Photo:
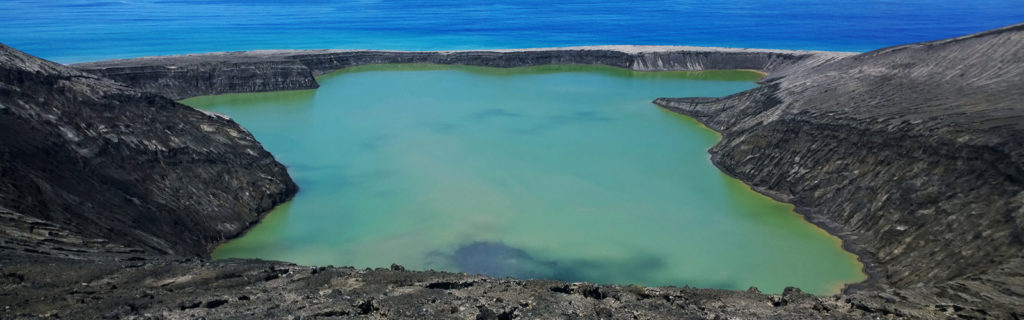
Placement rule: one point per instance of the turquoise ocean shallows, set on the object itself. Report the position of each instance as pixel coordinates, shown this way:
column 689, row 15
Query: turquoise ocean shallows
column 564, row 172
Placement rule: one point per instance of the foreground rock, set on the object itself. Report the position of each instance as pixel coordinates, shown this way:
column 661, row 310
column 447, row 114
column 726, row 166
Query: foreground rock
column 90, row 166
column 249, row 289
column 911, row 154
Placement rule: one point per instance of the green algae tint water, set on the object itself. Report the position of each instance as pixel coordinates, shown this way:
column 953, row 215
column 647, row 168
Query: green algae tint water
column 564, row 172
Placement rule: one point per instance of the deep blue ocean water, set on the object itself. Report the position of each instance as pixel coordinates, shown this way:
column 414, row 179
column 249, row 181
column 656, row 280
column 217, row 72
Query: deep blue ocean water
column 78, row 30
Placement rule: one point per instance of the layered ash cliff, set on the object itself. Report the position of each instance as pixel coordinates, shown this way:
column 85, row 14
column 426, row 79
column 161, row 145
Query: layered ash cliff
column 912, row 154
column 187, row 76
column 92, row 166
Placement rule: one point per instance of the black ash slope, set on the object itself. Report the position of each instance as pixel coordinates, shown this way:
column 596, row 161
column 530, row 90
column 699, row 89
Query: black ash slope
column 120, row 170
column 912, row 154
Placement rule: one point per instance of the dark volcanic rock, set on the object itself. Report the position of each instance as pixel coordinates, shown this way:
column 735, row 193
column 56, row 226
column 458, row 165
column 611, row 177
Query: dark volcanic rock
column 913, row 154
column 192, row 75
column 183, row 80
column 92, row 166
column 240, row 289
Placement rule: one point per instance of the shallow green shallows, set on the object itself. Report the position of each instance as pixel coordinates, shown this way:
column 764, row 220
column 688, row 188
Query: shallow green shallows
column 564, row 172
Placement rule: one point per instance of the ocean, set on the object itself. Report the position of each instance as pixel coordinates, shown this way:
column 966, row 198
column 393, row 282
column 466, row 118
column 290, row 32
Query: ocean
column 570, row 175
column 69, row 31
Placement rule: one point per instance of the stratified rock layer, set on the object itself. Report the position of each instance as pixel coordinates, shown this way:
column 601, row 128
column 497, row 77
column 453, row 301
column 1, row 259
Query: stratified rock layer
column 912, row 154
column 86, row 158
column 186, row 76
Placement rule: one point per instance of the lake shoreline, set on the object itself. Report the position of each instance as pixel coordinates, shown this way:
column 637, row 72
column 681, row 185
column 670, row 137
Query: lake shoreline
column 859, row 140
column 261, row 114
column 218, row 73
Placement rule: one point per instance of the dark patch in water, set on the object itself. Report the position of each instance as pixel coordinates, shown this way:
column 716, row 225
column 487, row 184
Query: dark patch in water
column 576, row 117
column 375, row 142
column 445, row 128
column 584, row 115
column 529, row 124
column 500, row 260
column 490, row 113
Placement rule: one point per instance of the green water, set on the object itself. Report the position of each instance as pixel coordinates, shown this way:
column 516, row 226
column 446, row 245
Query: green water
column 563, row 172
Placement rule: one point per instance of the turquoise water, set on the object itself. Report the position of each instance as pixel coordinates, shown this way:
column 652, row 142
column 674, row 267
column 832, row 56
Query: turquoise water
column 84, row 30
column 562, row 172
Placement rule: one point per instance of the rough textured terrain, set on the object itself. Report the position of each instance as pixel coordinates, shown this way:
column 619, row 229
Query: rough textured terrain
column 247, row 289
column 912, row 154
column 187, row 76
column 89, row 164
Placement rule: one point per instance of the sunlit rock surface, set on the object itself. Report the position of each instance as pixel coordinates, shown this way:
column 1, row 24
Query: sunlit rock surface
column 911, row 154
column 88, row 158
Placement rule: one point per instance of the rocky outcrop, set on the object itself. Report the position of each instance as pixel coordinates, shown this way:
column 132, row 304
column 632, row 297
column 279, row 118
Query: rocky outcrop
column 92, row 166
column 182, row 80
column 253, row 289
column 913, row 154
column 186, row 76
